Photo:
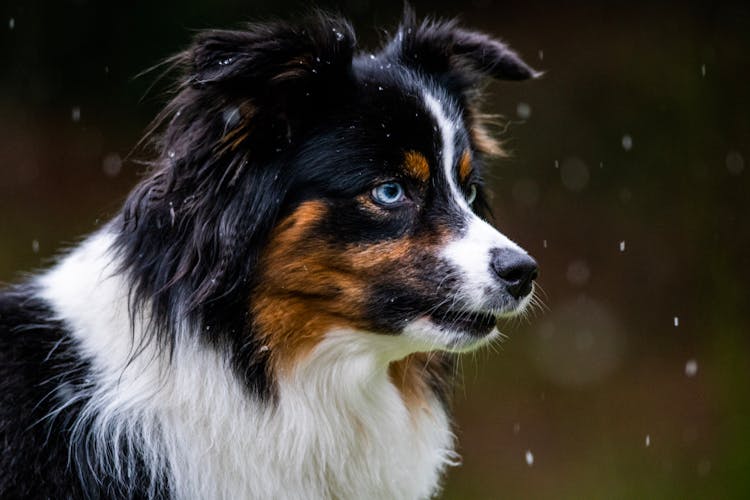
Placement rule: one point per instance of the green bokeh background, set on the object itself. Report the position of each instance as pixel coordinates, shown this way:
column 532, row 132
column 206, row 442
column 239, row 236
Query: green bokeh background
column 580, row 385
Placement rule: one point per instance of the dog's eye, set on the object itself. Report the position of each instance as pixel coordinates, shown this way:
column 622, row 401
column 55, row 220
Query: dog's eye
column 472, row 194
column 389, row 193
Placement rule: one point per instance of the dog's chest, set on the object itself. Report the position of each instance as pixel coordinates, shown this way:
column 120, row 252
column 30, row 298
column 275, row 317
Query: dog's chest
column 354, row 439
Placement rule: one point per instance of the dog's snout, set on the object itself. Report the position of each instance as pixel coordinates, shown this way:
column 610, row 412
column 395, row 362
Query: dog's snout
column 516, row 270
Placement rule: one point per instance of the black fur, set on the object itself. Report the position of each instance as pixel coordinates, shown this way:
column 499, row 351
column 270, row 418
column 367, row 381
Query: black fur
column 263, row 119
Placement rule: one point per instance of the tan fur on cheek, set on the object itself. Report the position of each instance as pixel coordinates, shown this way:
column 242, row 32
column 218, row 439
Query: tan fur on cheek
column 305, row 290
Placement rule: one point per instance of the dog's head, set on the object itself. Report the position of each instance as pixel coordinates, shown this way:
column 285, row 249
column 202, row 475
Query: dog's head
column 303, row 188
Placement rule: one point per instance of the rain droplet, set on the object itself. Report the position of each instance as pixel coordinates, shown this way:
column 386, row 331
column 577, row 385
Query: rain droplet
column 529, row 458
column 11, row 23
column 523, row 110
column 111, row 164
column 544, row 243
column 557, row 164
column 75, row 114
column 622, row 246
column 35, row 246
column 676, row 321
column 735, row 163
column 541, row 55
column 691, row 368
column 578, row 273
column 627, row 142
column 703, row 70
column 648, row 440
column 574, row 174
column 516, row 428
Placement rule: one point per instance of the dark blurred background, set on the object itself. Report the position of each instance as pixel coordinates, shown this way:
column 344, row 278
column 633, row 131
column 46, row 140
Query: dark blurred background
column 628, row 181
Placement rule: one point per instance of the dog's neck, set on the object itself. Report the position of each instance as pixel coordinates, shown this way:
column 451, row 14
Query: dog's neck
column 339, row 427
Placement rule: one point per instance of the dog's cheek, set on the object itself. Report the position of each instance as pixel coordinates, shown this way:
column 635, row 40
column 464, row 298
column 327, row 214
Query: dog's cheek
column 400, row 282
column 305, row 289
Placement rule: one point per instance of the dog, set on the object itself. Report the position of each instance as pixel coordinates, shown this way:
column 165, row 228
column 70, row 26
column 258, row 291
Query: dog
column 276, row 309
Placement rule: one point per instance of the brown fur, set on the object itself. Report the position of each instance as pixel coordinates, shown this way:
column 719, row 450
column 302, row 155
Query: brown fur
column 309, row 288
column 464, row 166
column 416, row 165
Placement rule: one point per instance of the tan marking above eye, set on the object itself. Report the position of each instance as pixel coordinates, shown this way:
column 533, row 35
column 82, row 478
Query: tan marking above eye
column 464, row 166
column 417, row 166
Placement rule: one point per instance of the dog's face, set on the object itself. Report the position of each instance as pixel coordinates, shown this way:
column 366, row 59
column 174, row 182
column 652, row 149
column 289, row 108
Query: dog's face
column 356, row 181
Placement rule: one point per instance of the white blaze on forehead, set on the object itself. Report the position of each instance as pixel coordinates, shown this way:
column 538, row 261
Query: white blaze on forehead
column 447, row 127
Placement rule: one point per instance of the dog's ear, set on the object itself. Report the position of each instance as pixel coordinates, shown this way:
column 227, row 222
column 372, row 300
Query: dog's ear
column 458, row 57
column 259, row 60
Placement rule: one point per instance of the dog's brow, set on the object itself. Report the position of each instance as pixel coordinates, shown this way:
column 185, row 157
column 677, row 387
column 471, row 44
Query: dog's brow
column 464, row 166
column 417, row 166
column 447, row 129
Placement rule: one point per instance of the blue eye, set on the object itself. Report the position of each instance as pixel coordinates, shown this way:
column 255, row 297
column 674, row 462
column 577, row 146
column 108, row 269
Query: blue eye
column 388, row 193
column 472, row 194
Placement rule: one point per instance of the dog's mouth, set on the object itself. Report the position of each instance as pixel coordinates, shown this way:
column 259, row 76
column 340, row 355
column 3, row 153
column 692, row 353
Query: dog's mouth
column 476, row 324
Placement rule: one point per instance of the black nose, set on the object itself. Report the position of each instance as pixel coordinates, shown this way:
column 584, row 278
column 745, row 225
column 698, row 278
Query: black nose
column 516, row 270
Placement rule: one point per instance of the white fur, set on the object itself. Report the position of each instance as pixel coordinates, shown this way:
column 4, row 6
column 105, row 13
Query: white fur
column 471, row 253
column 340, row 429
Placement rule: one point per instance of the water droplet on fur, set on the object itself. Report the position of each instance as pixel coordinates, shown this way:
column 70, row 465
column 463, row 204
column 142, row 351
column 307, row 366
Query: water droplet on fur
column 529, row 458
column 226, row 61
column 627, row 142
column 380, row 88
column 338, row 34
column 171, row 153
column 372, row 56
column 317, row 59
column 263, row 348
column 75, row 114
column 691, row 368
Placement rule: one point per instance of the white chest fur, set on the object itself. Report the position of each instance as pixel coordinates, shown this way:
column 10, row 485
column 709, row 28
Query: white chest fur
column 340, row 428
